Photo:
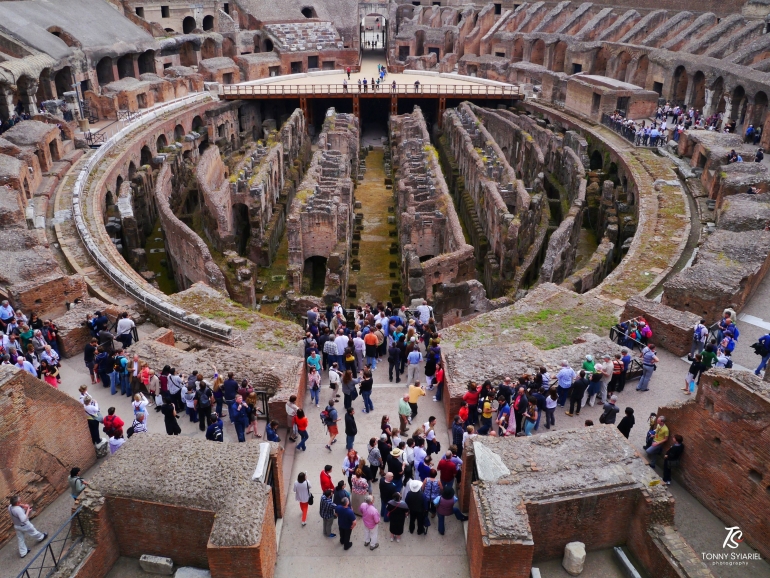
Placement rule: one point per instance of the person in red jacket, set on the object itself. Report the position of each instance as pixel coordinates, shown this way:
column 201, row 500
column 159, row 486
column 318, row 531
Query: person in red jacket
column 447, row 470
column 112, row 423
column 326, row 479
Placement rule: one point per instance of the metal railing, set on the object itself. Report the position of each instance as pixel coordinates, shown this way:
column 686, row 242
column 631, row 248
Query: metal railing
column 451, row 90
column 55, row 550
column 630, row 134
column 621, row 338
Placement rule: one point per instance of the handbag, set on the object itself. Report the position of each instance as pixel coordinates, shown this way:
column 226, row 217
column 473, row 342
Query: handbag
column 310, row 499
column 353, row 394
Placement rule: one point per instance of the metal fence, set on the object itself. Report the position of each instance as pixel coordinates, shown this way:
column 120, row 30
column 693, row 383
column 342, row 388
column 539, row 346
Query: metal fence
column 298, row 90
column 55, row 549
column 630, row 134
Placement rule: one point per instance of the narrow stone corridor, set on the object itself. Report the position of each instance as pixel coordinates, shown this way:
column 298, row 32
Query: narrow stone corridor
column 375, row 278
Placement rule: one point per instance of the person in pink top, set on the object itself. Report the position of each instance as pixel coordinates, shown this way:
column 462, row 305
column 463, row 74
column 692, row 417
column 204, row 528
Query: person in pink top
column 370, row 517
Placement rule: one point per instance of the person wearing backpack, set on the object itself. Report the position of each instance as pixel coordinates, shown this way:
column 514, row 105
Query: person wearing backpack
column 121, row 368
column 203, row 398
column 699, row 336
column 214, row 432
column 610, row 411
column 329, row 417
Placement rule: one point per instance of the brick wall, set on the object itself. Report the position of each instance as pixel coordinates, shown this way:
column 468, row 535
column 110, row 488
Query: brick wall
column 671, row 329
column 726, row 463
column 142, row 527
column 36, row 454
column 598, row 520
column 492, row 558
column 257, row 560
column 98, row 529
column 279, row 483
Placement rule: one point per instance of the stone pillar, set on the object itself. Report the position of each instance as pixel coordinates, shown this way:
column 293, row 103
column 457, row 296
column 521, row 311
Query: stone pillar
column 709, row 95
column 728, row 111
column 29, row 97
column 115, row 71
column 6, row 102
column 135, row 62
column 688, row 93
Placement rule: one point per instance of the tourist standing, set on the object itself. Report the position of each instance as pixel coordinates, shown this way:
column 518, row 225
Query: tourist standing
column 76, row 483
column 610, row 411
column 415, row 500
column 239, row 412
column 370, row 517
column 404, row 413
column 672, row 457
column 397, row 512
column 446, row 507
column 346, row 519
column 416, row 391
column 365, row 387
column 564, row 379
column 649, row 359
column 327, row 513
column 301, row 423
column 627, row 422
column 660, row 437
column 20, row 517
column 350, row 428
column 302, row 494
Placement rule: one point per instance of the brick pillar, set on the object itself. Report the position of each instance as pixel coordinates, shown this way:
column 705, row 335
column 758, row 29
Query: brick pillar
column 6, row 102
column 135, row 62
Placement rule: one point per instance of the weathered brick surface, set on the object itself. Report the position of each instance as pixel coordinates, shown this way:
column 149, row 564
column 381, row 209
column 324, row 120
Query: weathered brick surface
column 35, row 456
column 671, row 329
column 726, row 464
column 94, row 520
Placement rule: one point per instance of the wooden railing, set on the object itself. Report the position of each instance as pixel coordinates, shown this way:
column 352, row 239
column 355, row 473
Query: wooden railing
column 298, row 90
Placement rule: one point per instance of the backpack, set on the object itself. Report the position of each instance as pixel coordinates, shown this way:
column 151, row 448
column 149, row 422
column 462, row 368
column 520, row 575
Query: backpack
column 698, row 333
column 216, row 434
column 729, row 363
column 120, row 364
column 326, row 417
column 646, row 331
column 204, row 398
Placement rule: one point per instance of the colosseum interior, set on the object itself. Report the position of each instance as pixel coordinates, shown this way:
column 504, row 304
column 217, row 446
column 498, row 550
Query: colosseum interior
column 538, row 173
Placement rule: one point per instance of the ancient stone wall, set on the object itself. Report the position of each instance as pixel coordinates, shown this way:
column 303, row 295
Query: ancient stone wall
column 320, row 218
column 727, row 435
column 433, row 246
column 671, row 329
column 36, row 458
column 188, row 255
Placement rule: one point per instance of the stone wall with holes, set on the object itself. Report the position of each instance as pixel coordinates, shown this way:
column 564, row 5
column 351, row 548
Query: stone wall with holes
column 188, row 255
column 319, row 222
column 671, row 329
column 433, row 246
column 36, row 458
column 726, row 464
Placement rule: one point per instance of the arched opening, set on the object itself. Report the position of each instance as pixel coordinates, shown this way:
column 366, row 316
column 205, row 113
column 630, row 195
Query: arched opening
column 188, row 24
column 63, row 81
column 537, row 56
column 187, row 56
column 118, row 184
column 197, row 123
column 738, row 109
column 679, row 85
column 202, row 147
column 126, row 66
column 559, row 56
column 420, row 43
column 161, row 143
column 242, row 228
column 178, row 132
column 228, row 48
column 698, row 98
column 309, row 12
column 640, row 74
column 600, row 62
column 170, row 30
column 104, row 71
column 622, row 66
column 65, row 37
column 268, row 45
column 596, row 161
column 208, row 49
column 145, row 156
column 314, row 276
column 208, row 23
column 760, row 108
column 518, row 50
column 147, row 62
column 131, row 171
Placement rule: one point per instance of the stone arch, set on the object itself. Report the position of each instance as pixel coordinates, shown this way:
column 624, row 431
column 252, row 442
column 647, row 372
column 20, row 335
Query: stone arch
column 679, row 85
column 208, row 22
column 314, row 275
column 559, row 56
column 268, row 44
column 104, row 72
column 537, row 53
column 600, row 62
column 131, row 171
column 738, row 109
column 65, row 37
column 209, row 49
column 187, row 55
column 145, row 156
column 228, row 48
column 161, row 143
column 309, row 12
column 622, row 65
column 179, row 132
column 518, row 50
column 640, row 74
column 197, row 122
column 419, row 43
column 126, row 66
column 698, row 97
column 63, row 81
column 188, row 25
column 759, row 109
column 147, row 62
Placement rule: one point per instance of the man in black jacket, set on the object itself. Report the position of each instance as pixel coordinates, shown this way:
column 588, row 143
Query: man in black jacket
column 387, row 489
column 350, row 429
column 394, row 360
column 576, row 394
column 672, row 457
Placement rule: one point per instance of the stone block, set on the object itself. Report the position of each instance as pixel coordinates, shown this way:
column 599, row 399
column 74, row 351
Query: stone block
column 574, row 558
column 157, row 564
column 102, row 448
